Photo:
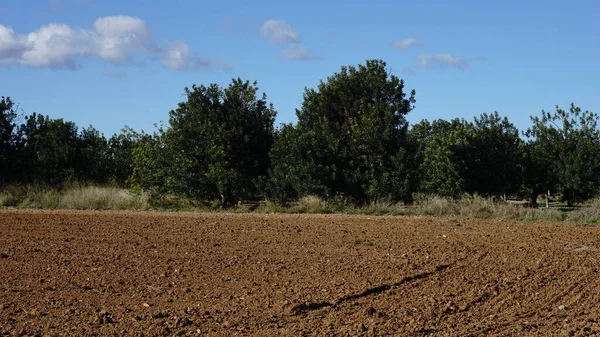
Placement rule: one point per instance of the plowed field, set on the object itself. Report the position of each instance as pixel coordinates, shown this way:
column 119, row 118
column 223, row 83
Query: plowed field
column 160, row 274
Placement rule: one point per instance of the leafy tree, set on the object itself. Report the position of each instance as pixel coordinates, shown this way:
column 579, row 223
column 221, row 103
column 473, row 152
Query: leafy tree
column 496, row 153
column 154, row 167
column 296, row 170
column 443, row 147
column 50, row 148
column 91, row 161
column 565, row 147
column 218, row 139
column 350, row 138
column 8, row 141
column 120, row 155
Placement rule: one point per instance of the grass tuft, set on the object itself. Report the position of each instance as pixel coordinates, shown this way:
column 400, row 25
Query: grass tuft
column 311, row 204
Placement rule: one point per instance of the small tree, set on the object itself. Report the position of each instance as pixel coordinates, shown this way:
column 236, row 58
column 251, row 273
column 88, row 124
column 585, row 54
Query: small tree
column 496, row 154
column 91, row 162
column 565, row 148
column 50, row 147
column 120, row 154
column 443, row 156
column 8, row 141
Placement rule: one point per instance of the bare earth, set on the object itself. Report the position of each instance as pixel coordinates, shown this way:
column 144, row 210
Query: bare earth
column 160, row 274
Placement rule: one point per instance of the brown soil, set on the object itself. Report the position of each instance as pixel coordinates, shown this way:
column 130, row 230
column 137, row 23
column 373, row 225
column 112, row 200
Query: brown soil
column 160, row 274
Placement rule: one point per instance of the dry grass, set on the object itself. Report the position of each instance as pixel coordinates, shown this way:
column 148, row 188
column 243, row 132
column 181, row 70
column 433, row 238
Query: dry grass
column 102, row 198
column 311, row 204
column 483, row 208
column 78, row 197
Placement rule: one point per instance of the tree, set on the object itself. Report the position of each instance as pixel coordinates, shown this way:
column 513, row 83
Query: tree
column 8, row 141
column 565, row 149
column 49, row 149
column 120, row 155
column 350, row 138
column 219, row 138
column 496, row 153
column 156, row 169
column 91, row 163
column 443, row 156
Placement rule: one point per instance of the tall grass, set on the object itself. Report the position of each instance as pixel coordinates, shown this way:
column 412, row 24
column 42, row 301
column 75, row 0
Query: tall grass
column 478, row 207
column 474, row 207
column 106, row 198
column 77, row 197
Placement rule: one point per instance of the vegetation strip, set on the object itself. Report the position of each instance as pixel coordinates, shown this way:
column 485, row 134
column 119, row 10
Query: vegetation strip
column 352, row 144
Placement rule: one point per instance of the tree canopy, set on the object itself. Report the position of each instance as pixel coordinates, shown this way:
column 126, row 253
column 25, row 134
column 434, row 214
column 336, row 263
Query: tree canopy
column 217, row 144
column 350, row 138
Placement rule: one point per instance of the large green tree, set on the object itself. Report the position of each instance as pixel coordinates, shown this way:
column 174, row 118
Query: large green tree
column 565, row 150
column 350, row 138
column 218, row 140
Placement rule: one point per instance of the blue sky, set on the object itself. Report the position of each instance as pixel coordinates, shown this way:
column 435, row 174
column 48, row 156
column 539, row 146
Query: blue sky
column 112, row 63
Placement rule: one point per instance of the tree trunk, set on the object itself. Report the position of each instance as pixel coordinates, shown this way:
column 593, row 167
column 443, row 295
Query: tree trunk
column 533, row 197
column 548, row 199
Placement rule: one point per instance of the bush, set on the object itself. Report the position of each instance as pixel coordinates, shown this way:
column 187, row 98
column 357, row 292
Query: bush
column 310, row 204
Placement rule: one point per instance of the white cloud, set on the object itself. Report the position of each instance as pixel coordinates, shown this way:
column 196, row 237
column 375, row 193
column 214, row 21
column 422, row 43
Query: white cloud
column 442, row 61
column 115, row 39
column 279, row 31
column 56, row 46
column 179, row 57
column 406, row 43
column 293, row 52
column 12, row 46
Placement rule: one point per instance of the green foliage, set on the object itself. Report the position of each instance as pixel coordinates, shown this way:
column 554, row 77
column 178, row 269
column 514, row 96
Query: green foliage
column 120, row 155
column 9, row 141
column 565, row 152
column 442, row 156
column 350, row 139
column 457, row 156
column 50, row 146
column 496, row 155
column 216, row 147
column 91, row 162
column 152, row 166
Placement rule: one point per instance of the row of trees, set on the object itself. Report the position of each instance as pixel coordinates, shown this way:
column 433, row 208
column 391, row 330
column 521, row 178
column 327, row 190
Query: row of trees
column 352, row 139
column 36, row 149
